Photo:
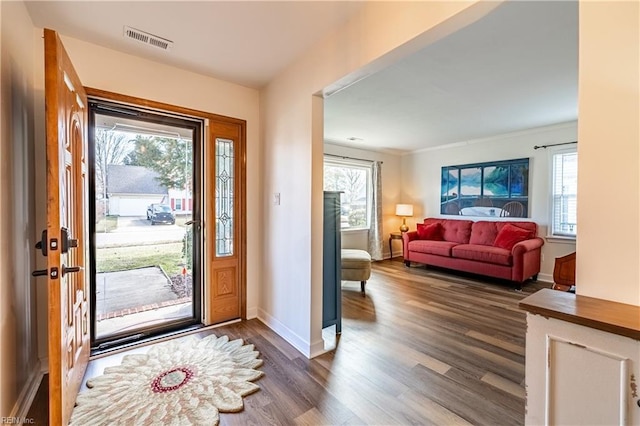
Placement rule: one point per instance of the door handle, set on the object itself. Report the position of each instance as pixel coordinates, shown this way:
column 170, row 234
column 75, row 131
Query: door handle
column 40, row 273
column 45, row 272
column 193, row 222
column 70, row 269
column 42, row 244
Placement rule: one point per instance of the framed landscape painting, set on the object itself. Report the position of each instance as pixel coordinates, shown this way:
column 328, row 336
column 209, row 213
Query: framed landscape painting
column 493, row 189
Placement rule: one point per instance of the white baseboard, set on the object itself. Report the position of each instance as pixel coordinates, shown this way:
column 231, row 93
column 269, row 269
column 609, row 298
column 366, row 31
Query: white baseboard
column 44, row 365
column 398, row 253
column 252, row 313
column 318, row 348
column 28, row 393
column 287, row 334
column 547, row 278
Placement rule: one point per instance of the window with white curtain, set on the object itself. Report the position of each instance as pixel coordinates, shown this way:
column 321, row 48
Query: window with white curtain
column 353, row 178
column 564, row 193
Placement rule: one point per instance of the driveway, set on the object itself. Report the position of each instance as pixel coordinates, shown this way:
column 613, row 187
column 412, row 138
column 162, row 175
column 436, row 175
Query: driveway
column 137, row 230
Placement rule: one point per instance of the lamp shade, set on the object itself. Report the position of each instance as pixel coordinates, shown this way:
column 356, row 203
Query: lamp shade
column 404, row 210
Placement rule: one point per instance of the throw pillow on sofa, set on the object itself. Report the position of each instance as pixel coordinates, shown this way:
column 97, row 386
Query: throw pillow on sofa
column 430, row 232
column 510, row 235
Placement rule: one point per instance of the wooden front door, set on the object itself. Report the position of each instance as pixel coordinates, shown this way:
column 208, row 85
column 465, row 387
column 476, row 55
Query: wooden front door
column 225, row 235
column 67, row 247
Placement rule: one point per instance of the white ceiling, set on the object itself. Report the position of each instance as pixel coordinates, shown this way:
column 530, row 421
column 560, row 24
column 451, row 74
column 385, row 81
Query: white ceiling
column 514, row 69
column 244, row 42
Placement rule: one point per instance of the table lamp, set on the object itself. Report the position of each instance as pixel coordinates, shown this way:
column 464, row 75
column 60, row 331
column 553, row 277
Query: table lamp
column 404, row 211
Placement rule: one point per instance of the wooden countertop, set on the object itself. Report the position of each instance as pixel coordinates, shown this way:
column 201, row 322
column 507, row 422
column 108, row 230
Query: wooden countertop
column 612, row 317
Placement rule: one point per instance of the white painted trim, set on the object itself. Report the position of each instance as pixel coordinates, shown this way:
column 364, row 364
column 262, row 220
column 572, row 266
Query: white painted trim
column 552, row 151
column 355, row 230
column 287, row 334
column 28, row 393
column 252, row 313
column 44, row 365
column 560, row 240
column 496, row 137
column 317, row 348
column 547, row 278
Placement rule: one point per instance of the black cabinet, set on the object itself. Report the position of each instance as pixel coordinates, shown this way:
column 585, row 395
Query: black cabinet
column 331, row 290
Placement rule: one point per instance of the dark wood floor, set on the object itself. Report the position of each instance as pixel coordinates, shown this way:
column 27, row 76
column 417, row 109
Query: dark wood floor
column 421, row 347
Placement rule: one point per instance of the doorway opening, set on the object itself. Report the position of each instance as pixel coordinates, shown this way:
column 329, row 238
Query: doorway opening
column 145, row 216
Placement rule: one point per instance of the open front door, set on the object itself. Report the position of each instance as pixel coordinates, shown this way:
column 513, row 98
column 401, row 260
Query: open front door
column 65, row 243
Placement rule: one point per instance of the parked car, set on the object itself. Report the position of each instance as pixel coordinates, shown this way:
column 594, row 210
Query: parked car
column 160, row 213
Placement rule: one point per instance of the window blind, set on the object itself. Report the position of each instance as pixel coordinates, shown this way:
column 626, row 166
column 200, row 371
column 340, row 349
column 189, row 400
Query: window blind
column 565, row 194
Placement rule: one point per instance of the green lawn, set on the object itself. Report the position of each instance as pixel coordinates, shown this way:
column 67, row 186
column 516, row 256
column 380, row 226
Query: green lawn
column 168, row 256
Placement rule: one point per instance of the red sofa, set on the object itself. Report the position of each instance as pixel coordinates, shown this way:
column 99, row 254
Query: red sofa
column 507, row 250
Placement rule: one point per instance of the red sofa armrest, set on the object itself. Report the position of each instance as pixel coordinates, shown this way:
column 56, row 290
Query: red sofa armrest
column 527, row 245
column 406, row 238
column 526, row 259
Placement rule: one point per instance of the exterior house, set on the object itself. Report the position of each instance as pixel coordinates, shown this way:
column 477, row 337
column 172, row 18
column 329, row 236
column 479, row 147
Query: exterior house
column 180, row 200
column 130, row 189
column 285, row 116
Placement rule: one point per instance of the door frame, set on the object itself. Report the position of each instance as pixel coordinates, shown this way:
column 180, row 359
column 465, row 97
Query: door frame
column 207, row 229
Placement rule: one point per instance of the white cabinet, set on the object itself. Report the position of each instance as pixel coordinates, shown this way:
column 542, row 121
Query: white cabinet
column 577, row 375
column 582, row 360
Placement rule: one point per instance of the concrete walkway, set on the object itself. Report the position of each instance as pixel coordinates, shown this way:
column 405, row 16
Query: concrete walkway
column 117, row 291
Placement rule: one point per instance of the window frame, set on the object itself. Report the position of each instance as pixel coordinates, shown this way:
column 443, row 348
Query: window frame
column 552, row 233
column 358, row 165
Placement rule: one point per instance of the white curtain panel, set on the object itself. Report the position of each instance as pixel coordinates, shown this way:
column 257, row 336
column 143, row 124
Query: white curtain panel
column 375, row 229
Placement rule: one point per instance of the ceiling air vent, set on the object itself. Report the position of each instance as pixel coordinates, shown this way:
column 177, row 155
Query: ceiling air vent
column 146, row 38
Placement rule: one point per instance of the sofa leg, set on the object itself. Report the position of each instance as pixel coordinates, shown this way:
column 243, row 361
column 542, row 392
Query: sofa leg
column 518, row 287
column 362, row 284
column 535, row 277
column 407, row 263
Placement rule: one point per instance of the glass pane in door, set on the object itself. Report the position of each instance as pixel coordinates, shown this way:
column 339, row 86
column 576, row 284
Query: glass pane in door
column 143, row 233
column 224, row 197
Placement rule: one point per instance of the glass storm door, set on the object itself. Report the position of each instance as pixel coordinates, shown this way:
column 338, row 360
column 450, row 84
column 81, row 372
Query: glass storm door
column 146, row 222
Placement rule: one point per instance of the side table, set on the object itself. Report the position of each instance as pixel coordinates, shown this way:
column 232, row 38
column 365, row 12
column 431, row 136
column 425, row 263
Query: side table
column 395, row 236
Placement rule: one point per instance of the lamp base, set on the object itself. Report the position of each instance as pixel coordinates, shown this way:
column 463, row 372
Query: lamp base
column 404, row 227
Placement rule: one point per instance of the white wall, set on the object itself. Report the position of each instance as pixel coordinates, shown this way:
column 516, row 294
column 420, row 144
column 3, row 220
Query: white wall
column 421, row 172
column 113, row 71
column 292, row 135
column 391, row 186
column 19, row 370
column 608, row 261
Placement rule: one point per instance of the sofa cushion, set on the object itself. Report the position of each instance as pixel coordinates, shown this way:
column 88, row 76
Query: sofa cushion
column 456, row 231
column 440, row 248
column 482, row 253
column 429, row 232
column 529, row 226
column 510, row 235
column 483, row 233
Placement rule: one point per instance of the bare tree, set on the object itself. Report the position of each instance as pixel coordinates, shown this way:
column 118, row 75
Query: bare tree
column 111, row 148
column 353, row 181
